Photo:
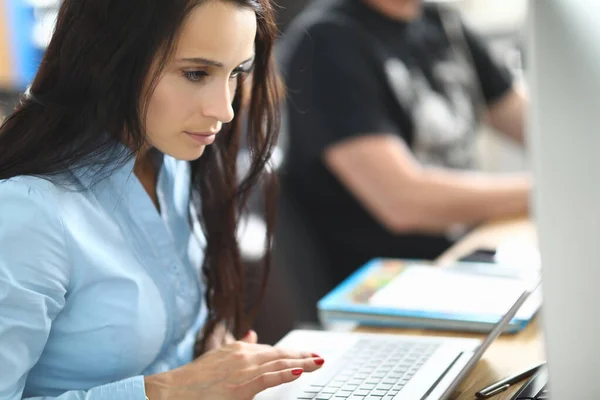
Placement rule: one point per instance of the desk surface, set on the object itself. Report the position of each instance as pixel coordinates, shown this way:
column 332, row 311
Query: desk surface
column 509, row 353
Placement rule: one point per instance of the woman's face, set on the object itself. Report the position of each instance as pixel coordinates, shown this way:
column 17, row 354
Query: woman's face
column 195, row 91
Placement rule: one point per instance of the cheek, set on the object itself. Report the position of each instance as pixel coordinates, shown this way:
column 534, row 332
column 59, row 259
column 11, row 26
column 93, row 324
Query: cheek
column 170, row 106
column 233, row 86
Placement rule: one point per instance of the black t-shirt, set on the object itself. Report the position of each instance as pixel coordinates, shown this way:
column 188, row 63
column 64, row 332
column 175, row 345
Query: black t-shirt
column 351, row 71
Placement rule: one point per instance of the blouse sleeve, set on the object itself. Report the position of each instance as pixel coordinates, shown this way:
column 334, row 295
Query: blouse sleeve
column 34, row 279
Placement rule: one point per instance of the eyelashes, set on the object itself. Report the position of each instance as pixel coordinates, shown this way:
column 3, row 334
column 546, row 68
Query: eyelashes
column 200, row 75
column 195, row 76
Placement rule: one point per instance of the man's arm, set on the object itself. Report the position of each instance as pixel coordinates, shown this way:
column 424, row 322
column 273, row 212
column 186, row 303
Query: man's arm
column 507, row 114
column 403, row 196
column 506, row 98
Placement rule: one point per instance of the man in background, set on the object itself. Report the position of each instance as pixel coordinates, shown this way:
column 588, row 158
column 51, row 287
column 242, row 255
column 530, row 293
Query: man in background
column 384, row 101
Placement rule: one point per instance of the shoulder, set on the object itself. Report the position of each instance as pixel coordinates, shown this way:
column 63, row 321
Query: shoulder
column 319, row 14
column 319, row 27
column 32, row 235
column 32, row 189
column 30, row 202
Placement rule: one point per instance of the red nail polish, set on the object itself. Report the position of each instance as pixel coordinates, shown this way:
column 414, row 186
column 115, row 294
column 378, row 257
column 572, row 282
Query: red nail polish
column 297, row 371
column 319, row 361
column 315, row 355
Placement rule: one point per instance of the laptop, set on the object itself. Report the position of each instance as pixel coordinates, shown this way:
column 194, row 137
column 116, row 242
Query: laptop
column 385, row 366
column 536, row 388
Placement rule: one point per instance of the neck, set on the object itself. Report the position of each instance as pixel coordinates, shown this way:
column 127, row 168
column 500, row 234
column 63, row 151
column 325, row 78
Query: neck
column 404, row 11
column 145, row 164
column 146, row 170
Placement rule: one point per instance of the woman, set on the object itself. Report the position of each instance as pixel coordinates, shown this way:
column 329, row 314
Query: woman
column 102, row 195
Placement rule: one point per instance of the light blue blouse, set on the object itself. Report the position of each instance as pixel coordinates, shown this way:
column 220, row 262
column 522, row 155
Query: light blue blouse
column 97, row 288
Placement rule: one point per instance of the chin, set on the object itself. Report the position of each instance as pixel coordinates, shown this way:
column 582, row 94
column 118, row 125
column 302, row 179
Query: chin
column 187, row 154
column 196, row 154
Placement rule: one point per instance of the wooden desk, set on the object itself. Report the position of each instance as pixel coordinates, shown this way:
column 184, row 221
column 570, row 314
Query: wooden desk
column 509, row 353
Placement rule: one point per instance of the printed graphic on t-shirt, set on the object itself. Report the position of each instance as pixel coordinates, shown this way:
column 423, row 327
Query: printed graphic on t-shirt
column 444, row 122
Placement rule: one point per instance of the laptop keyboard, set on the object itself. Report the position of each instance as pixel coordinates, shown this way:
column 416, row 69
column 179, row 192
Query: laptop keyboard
column 373, row 369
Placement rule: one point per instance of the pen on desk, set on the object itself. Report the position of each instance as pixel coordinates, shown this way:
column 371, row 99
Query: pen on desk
column 505, row 383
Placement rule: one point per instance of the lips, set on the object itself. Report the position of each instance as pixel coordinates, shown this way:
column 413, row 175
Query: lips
column 207, row 133
column 204, row 138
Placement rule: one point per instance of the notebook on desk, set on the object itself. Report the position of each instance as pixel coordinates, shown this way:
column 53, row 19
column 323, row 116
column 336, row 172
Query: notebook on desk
column 463, row 296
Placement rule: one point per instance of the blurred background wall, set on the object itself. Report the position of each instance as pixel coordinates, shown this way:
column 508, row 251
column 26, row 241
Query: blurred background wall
column 26, row 26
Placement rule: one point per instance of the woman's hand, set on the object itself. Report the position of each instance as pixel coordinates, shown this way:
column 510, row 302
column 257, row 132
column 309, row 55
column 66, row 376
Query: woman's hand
column 220, row 337
column 236, row 371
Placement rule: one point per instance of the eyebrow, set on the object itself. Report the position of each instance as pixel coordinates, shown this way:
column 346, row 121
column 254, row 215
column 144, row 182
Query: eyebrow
column 212, row 63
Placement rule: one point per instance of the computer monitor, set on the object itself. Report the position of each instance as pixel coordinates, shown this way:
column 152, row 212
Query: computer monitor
column 563, row 72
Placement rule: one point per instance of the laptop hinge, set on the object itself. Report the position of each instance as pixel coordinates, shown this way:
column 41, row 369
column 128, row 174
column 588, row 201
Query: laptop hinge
column 438, row 380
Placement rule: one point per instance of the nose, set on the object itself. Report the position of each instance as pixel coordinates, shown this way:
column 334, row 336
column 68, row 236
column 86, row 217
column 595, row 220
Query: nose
column 218, row 102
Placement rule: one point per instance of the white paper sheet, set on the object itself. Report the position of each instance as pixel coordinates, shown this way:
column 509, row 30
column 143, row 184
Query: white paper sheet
column 439, row 290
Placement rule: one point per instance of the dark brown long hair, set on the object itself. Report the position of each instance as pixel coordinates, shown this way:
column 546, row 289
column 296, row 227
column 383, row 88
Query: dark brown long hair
column 90, row 91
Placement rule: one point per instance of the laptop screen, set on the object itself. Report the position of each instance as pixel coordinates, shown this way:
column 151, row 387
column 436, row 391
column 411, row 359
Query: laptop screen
column 493, row 335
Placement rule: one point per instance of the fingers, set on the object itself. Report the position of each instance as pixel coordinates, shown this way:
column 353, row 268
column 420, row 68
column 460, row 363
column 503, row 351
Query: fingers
column 274, row 353
column 259, row 354
column 251, row 337
column 269, row 366
column 285, row 362
column 268, row 380
column 229, row 338
column 306, row 364
column 220, row 336
column 216, row 339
